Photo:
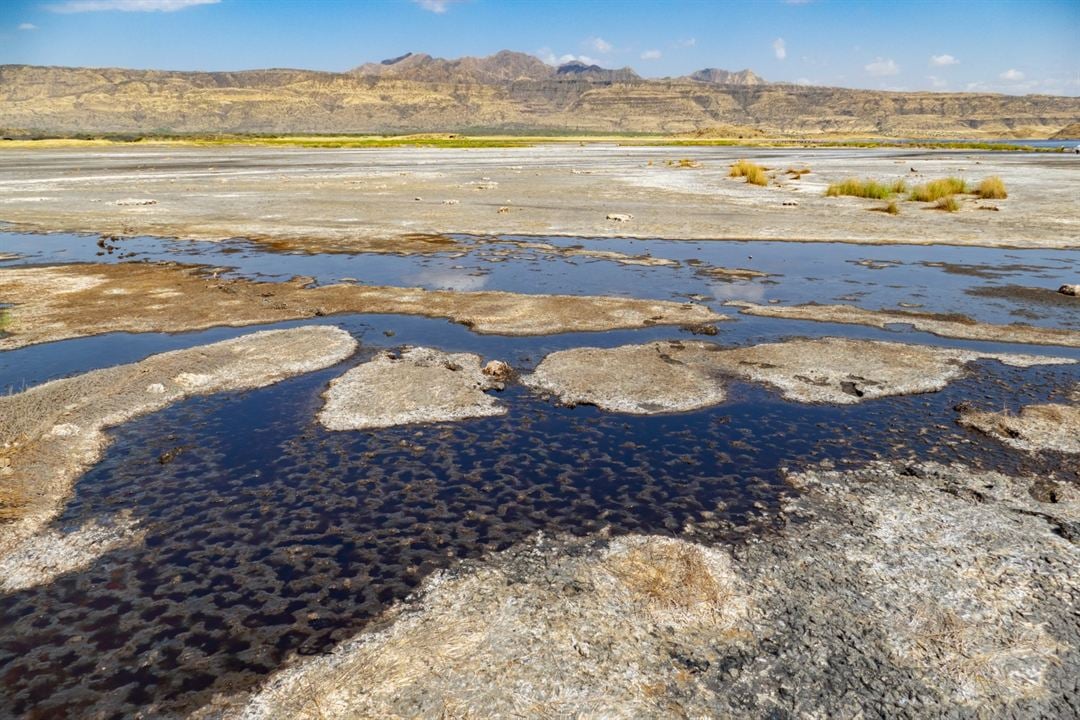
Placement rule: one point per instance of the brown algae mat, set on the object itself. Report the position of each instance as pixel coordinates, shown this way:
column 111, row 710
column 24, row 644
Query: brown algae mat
column 952, row 326
column 678, row 376
column 66, row 301
column 936, row 591
column 51, row 433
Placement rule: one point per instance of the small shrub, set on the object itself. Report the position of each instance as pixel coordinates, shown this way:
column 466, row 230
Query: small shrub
column 992, row 188
column 860, row 188
column 891, row 209
column 688, row 163
column 947, row 203
column 754, row 173
column 797, row 173
column 938, row 189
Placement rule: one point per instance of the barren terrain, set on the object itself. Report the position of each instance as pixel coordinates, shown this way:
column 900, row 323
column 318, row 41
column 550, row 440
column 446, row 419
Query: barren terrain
column 563, row 434
column 382, row 199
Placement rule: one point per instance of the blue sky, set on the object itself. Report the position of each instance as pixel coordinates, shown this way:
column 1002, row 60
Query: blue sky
column 1013, row 47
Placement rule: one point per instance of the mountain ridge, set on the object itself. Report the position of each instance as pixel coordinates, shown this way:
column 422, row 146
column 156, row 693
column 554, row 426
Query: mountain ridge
column 504, row 92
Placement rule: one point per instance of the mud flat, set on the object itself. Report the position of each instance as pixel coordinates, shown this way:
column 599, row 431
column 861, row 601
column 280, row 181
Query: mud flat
column 678, row 376
column 903, row 591
column 951, row 326
column 59, row 302
column 637, row 379
column 389, row 200
column 51, row 433
column 421, row 385
column 1051, row 426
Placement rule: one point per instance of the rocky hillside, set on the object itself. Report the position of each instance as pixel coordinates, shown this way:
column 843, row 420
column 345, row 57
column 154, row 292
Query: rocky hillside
column 504, row 92
column 1070, row 132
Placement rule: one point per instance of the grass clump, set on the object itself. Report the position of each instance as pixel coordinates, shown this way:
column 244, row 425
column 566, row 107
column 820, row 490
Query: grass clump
column 687, row 163
column 865, row 189
column 947, row 203
column 797, row 173
column 754, row 173
column 992, row 188
column 938, row 189
column 891, row 209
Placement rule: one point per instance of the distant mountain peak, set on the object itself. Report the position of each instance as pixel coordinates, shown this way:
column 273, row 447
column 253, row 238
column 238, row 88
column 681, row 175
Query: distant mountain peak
column 503, row 66
column 578, row 69
column 395, row 61
column 718, row 76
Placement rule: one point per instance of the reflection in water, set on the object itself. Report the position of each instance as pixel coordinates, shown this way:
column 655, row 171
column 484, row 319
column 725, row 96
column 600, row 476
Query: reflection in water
column 450, row 278
column 738, row 290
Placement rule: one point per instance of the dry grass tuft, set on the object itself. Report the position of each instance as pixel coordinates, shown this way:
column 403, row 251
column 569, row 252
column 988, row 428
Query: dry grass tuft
column 938, row 189
column 992, row 188
column 947, row 203
column 671, row 576
column 890, row 209
column 13, row 501
column 866, row 189
column 685, row 163
column 754, row 173
column 797, row 173
column 980, row 657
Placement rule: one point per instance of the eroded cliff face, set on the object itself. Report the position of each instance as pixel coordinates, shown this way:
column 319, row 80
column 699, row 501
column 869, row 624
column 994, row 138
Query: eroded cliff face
column 467, row 96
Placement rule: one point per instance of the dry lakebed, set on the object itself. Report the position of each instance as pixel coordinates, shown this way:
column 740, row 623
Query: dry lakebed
column 538, row 432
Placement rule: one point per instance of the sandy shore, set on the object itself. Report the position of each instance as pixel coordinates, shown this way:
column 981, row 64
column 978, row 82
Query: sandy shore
column 378, row 199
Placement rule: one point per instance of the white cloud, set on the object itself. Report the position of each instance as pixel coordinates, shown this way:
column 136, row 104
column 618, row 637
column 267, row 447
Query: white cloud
column 81, row 6
column 547, row 55
column 780, row 48
column 943, row 60
column 882, row 67
column 937, row 82
column 27, row 26
column 436, row 6
column 687, row 43
column 651, row 55
column 584, row 59
column 600, row 45
column 1012, row 75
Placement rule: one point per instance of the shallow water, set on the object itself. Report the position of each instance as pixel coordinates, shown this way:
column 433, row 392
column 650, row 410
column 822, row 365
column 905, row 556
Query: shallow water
column 928, row 278
column 269, row 537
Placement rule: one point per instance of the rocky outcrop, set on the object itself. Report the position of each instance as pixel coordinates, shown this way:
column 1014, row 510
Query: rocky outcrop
column 1051, row 426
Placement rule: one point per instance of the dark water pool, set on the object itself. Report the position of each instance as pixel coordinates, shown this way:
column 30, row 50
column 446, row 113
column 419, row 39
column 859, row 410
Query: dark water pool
column 268, row 536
